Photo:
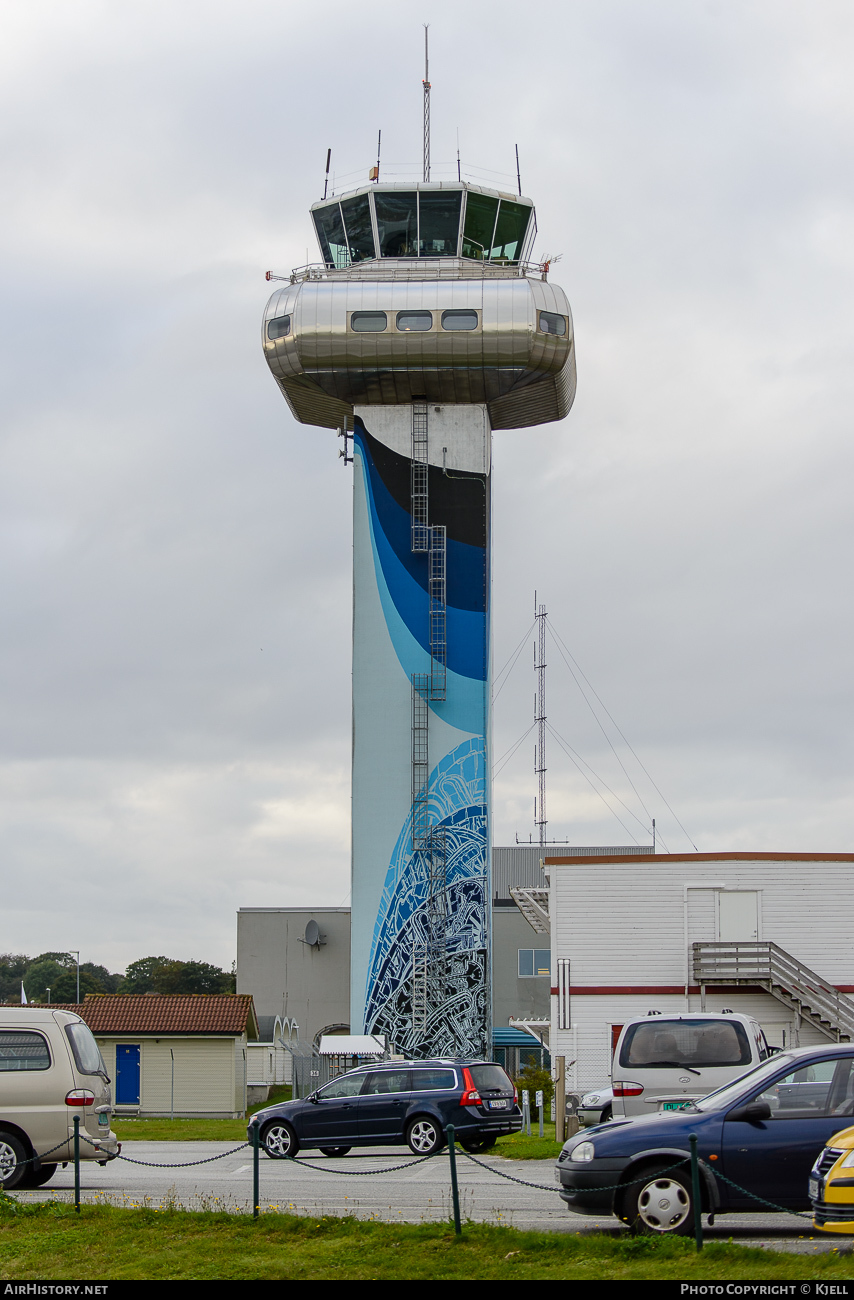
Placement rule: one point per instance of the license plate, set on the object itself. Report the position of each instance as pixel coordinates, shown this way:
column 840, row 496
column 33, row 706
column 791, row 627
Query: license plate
column 103, row 1121
column 677, row 1105
column 498, row 1105
column 815, row 1189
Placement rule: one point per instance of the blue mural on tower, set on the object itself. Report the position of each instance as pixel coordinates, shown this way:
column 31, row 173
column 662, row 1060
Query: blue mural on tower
column 458, row 778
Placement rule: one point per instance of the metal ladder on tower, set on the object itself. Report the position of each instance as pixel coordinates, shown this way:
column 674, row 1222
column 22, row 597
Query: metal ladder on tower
column 429, row 959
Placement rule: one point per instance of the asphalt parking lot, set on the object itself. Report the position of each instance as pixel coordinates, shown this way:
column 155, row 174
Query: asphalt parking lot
column 371, row 1184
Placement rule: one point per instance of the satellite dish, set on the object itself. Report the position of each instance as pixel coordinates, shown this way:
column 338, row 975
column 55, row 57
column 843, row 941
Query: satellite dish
column 312, row 934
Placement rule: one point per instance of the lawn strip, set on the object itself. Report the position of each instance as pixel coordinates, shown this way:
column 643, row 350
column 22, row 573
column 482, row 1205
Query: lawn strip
column 49, row 1241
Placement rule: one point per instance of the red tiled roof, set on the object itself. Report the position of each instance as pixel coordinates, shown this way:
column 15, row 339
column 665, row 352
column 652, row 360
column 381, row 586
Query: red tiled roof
column 167, row 1013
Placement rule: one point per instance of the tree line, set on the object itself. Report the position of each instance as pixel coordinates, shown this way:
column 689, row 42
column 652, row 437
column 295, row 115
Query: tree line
column 57, row 972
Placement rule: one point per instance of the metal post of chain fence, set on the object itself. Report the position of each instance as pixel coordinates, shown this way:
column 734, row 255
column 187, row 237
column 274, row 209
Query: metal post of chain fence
column 77, row 1163
column 539, row 1100
column 455, row 1191
column 256, row 1195
column 695, row 1192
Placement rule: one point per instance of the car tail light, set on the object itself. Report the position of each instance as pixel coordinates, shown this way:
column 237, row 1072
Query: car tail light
column 80, row 1097
column 471, row 1096
column 515, row 1096
column 627, row 1089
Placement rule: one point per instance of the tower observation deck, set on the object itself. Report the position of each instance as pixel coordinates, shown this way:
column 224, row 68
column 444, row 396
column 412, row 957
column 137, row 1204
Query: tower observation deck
column 423, row 329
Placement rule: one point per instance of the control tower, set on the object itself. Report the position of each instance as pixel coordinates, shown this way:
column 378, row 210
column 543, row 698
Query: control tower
column 423, row 329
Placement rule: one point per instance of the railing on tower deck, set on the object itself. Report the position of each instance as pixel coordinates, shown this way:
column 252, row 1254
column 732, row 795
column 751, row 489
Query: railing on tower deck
column 754, row 962
column 417, row 268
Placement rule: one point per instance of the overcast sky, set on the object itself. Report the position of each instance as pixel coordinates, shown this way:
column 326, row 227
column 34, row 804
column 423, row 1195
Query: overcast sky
column 175, row 550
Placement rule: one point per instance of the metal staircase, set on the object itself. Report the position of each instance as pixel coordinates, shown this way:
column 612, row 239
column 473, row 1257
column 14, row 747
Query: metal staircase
column 767, row 966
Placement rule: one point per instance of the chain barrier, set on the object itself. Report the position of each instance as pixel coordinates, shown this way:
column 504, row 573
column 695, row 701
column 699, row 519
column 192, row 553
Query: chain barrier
column 781, row 1209
column 411, row 1164
column 179, row 1164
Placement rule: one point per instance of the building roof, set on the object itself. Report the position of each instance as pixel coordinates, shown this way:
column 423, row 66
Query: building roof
column 567, row 860
column 167, row 1013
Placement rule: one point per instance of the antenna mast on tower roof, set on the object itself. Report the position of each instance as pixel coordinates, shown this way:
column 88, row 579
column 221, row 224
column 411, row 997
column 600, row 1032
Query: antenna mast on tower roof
column 540, row 818
column 426, row 84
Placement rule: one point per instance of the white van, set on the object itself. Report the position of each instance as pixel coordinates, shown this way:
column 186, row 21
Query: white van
column 50, row 1071
column 663, row 1061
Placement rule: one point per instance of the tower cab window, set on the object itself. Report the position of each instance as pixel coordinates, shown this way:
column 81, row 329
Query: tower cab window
column 279, row 327
column 552, row 323
column 368, row 322
column 459, row 320
column 414, row 321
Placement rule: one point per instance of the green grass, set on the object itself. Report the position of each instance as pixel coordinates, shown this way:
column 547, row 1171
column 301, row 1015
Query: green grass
column 192, row 1130
column 517, row 1147
column 49, row 1241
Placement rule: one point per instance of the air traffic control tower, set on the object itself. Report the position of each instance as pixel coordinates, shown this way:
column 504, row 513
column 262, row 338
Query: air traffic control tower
column 422, row 331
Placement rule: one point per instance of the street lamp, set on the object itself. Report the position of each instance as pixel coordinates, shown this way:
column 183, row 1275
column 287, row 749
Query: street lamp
column 76, row 954
column 48, row 995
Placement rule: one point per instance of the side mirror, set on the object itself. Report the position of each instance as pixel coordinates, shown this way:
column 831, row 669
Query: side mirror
column 752, row 1113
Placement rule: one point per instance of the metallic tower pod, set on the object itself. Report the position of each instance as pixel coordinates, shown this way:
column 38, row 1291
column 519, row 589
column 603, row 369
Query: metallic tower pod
column 423, row 329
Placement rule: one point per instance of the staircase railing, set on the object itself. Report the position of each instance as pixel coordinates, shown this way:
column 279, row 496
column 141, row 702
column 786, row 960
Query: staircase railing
column 789, row 980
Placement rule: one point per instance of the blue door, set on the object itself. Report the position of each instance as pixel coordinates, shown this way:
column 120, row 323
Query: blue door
column 127, row 1074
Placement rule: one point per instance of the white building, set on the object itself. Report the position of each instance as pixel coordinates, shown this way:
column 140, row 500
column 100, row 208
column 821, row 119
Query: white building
column 767, row 934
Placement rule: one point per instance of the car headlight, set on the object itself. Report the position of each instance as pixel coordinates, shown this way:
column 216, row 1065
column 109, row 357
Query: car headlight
column 849, row 1160
column 592, row 1099
column 582, row 1153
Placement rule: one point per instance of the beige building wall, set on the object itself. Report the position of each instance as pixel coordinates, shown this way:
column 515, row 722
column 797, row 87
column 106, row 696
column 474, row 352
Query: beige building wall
column 208, row 1073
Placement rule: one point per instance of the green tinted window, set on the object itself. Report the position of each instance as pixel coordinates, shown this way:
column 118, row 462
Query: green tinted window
column 480, row 223
column 360, row 235
column 510, row 230
column 397, row 223
column 439, row 217
column 330, row 233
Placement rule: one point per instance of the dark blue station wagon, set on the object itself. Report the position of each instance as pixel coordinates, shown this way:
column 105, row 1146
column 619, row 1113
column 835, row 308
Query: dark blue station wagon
column 396, row 1102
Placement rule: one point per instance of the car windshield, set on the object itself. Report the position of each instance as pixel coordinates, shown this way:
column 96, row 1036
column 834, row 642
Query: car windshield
column 723, row 1096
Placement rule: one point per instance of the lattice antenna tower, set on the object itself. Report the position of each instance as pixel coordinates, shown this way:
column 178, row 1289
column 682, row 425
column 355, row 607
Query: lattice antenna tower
column 540, row 819
column 426, row 84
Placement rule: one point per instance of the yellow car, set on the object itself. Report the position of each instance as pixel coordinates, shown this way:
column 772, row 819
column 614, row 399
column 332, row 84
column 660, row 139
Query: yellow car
column 832, row 1185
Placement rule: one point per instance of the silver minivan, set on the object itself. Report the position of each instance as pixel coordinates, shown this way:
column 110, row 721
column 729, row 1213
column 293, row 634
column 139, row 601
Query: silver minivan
column 661, row 1062
column 51, row 1070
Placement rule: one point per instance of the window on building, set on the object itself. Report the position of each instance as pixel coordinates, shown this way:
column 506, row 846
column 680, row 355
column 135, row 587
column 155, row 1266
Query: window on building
column 439, row 222
column 368, row 322
column 415, row 321
column 330, row 233
column 481, row 211
column 279, row 327
column 534, row 961
column 357, row 222
column 459, row 320
column 552, row 323
column 397, row 223
column 510, row 230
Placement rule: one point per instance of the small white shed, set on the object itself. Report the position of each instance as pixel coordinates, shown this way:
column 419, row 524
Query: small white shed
column 182, row 1054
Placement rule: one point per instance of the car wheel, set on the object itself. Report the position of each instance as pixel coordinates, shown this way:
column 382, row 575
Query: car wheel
column 474, row 1145
column 424, row 1136
column 13, row 1170
column 660, row 1204
column 607, row 1114
column 335, row 1151
column 280, row 1141
column 37, row 1177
